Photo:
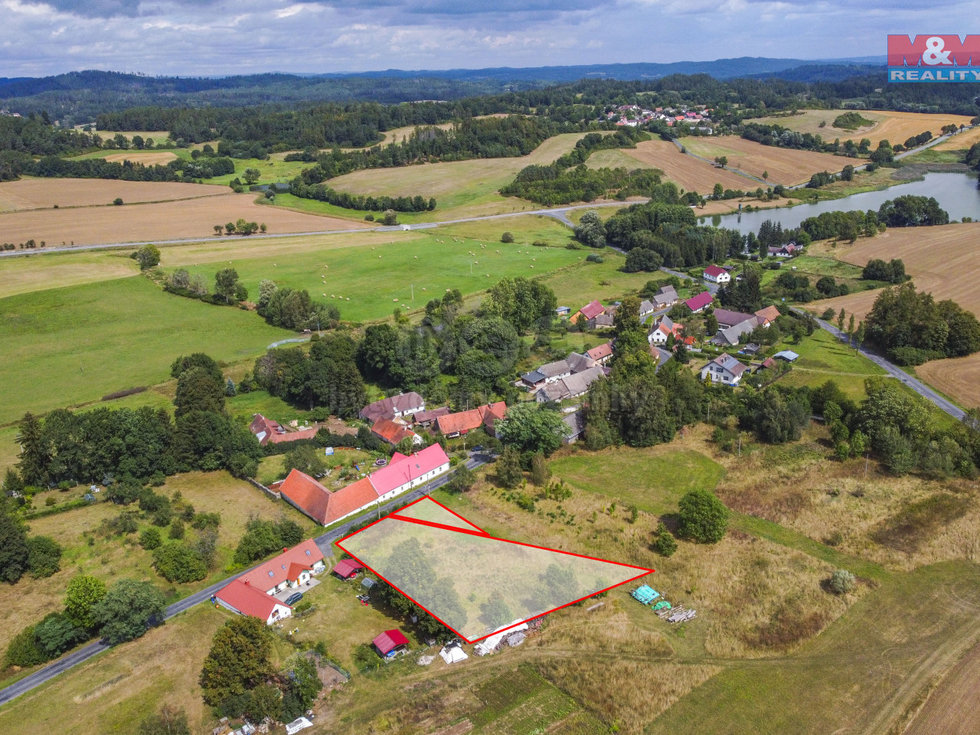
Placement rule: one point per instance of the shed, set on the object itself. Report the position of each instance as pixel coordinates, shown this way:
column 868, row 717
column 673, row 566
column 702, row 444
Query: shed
column 367, row 583
column 347, row 568
column 452, row 654
column 390, row 643
column 787, row 355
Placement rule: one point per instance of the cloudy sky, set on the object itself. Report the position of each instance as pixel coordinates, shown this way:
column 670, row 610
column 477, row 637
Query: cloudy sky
column 215, row 37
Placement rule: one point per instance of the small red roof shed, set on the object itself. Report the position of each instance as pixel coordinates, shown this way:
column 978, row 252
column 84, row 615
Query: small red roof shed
column 347, row 568
column 390, row 641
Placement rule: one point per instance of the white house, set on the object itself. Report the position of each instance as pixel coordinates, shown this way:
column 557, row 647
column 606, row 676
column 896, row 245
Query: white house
column 723, row 369
column 403, row 473
column 716, row 274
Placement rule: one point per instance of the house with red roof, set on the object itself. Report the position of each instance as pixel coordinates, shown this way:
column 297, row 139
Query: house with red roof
column 321, row 504
column 590, row 311
column 245, row 599
column 457, row 424
column 390, row 643
column 717, row 274
column 427, row 418
column 700, row 302
column 292, row 568
column 600, row 354
column 268, row 431
column 393, row 432
column 664, row 329
column 403, row 473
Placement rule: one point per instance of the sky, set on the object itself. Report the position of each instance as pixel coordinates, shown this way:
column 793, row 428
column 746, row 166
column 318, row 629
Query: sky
column 223, row 37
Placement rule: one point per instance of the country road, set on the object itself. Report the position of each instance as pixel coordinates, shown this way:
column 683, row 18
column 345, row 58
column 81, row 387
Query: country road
column 323, row 541
column 896, row 372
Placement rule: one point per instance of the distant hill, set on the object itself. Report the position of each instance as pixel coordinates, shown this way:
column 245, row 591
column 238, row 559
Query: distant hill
column 77, row 97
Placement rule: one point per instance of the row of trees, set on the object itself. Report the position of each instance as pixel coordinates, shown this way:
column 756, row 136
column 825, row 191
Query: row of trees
column 324, row 193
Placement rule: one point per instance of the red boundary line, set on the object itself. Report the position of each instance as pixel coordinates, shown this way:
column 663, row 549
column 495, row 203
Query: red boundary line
column 397, row 514
column 644, row 570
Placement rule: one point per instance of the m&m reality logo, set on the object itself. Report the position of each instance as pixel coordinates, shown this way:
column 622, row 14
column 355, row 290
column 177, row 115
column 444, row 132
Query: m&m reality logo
column 934, row 58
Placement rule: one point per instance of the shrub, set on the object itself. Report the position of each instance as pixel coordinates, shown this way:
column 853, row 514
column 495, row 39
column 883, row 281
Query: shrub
column 664, row 543
column 703, row 518
column 177, row 562
column 44, row 556
column 841, row 582
column 507, row 237
column 150, row 539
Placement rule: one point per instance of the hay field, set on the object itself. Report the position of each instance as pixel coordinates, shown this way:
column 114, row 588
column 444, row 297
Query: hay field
column 691, row 173
column 147, row 158
column 957, row 377
column 455, row 183
column 48, row 193
column 158, row 221
column 159, row 136
column 786, row 166
column 941, row 260
column 895, row 127
column 960, row 141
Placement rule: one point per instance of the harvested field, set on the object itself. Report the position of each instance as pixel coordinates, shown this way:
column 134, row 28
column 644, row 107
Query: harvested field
column 950, row 709
column 786, row 166
column 456, row 183
column 159, row 221
column 941, row 260
column 957, row 377
column 159, row 136
column 147, row 158
column 691, row 173
column 894, row 127
column 960, row 141
column 48, row 193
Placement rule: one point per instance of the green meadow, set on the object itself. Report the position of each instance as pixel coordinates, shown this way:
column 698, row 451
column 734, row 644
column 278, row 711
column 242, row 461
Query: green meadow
column 66, row 346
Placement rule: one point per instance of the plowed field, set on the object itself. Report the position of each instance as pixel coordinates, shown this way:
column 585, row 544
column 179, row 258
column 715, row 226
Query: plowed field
column 47, row 193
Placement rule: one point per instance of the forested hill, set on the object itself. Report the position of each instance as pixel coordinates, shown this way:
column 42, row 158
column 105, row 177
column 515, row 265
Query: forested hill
column 78, row 97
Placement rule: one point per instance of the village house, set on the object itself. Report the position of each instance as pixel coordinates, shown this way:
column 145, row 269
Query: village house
column 402, row 405
column 660, row 355
column 572, row 386
column 728, row 318
column 723, row 369
column 242, row 598
column 456, row 424
column 784, row 251
column 665, row 328
column 767, row 315
column 552, row 371
column 716, row 274
column 267, row 431
column 665, row 298
column 700, row 302
column 600, row 354
column 404, row 473
column 394, row 432
column 590, row 311
column 647, row 307
column 426, row 418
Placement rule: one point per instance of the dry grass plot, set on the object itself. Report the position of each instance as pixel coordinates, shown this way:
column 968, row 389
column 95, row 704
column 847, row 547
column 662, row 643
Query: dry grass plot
column 691, row 173
column 785, row 166
column 147, row 158
column 960, row 141
column 894, row 127
column 158, row 221
column 48, row 193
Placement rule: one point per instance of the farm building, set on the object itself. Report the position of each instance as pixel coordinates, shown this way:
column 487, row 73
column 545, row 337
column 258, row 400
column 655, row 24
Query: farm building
column 457, row 424
column 600, row 354
column 426, row 418
column 390, row 643
column 767, row 315
column 393, row 432
column 787, row 355
column 347, row 568
column 322, row 505
column 571, row 386
column 403, row 473
column 242, row 598
column 590, row 311
column 665, row 297
column 553, row 371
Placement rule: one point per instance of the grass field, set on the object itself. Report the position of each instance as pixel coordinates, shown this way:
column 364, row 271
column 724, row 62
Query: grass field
column 823, row 358
column 860, row 676
column 368, row 282
column 71, row 345
column 41, row 271
column 692, row 174
column 156, row 221
column 49, row 193
column 785, row 166
column 457, row 183
column 941, row 260
column 146, row 158
column 895, row 127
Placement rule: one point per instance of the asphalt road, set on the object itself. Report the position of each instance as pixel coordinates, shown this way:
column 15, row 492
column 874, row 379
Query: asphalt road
column 896, row 372
column 324, row 542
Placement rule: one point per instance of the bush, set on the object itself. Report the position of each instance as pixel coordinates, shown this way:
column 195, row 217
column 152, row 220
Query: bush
column 664, row 543
column 593, row 258
column 507, row 237
column 44, row 556
column 841, row 582
column 177, row 562
column 23, row 650
column 703, row 518
column 150, row 539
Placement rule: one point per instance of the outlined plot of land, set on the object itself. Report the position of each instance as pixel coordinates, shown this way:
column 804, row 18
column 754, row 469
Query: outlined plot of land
column 474, row 583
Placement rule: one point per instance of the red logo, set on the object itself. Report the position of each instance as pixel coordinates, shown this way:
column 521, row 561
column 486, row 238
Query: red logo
column 933, row 50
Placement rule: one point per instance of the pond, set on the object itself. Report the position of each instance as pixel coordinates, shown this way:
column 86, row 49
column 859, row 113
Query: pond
column 956, row 193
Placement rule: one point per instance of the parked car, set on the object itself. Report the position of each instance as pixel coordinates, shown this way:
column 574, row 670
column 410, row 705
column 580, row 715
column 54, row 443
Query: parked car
column 294, row 598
